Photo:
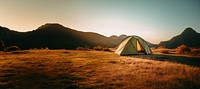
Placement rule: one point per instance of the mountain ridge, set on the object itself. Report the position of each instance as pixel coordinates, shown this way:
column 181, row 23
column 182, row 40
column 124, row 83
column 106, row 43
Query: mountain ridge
column 57, row 36
column 54, row 36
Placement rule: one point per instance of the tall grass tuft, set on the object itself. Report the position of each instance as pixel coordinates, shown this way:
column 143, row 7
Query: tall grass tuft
column 98, row 48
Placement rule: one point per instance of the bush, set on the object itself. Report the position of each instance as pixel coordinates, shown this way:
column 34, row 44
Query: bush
column 165, row 51
column 13, row 48
column 45, row 48
column 106, row 49
column 183, row 49
column 162, row 47
column 82, row 48
column 153, row 48
column 98, row 48
column 195, row 52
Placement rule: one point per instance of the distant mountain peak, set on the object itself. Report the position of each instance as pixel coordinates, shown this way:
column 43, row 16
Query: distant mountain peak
column 53, row 24
column 114, row 36
column 50, row 25
column 188, row 37
column 188, row 30
column 123, row 35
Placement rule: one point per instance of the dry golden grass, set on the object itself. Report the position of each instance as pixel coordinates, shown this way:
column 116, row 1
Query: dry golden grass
column 163, row 50
column 69, row 69
column 179, row 51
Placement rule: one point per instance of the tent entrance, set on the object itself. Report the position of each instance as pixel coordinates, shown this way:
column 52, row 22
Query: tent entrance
column 140, row 49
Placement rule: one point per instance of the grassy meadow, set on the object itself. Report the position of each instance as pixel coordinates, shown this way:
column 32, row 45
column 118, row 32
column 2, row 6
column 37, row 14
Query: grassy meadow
column 78, row 69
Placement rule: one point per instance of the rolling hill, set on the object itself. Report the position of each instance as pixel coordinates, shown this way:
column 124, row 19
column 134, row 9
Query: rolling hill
column 188, row 37
column 54, row 36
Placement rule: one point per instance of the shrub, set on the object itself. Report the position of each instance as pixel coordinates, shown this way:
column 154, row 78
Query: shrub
column 98, row 48
column 165, row 51
column 153, row 48
column 162, row 47
column 13, row 48
column 195, row 51
column 106, row 49
column 183, row 49
column 82, row 48
column 79, row 48
column 47, row 48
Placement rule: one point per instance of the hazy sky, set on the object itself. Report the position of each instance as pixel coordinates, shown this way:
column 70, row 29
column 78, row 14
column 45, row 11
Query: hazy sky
column 154, row 20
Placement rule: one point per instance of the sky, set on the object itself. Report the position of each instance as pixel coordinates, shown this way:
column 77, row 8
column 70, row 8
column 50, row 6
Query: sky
column 153, row 20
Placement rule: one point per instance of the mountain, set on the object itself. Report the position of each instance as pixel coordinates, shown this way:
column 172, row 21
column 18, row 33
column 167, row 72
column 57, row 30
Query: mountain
column 188, row 37
column 54, row 36
column 151, row 44
column 118, row 39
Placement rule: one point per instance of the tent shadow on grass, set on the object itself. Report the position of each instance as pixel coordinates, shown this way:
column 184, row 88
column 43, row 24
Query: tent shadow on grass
column 192, row 61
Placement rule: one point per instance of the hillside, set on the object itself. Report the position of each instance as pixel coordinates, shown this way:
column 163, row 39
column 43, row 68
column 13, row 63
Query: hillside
column 188, row 37
column 118, row 39
column 54, row 36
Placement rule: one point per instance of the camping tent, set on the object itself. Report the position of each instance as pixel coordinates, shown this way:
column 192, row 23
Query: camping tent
column 133, row 45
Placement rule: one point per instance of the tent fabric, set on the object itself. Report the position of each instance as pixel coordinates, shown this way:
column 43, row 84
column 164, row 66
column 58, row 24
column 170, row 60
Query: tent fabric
column 133, row 45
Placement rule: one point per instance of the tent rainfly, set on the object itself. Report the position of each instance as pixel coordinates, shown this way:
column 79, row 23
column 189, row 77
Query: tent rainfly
column 133, row 45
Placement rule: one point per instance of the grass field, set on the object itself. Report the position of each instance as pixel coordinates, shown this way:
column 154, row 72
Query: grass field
column 76, row 69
